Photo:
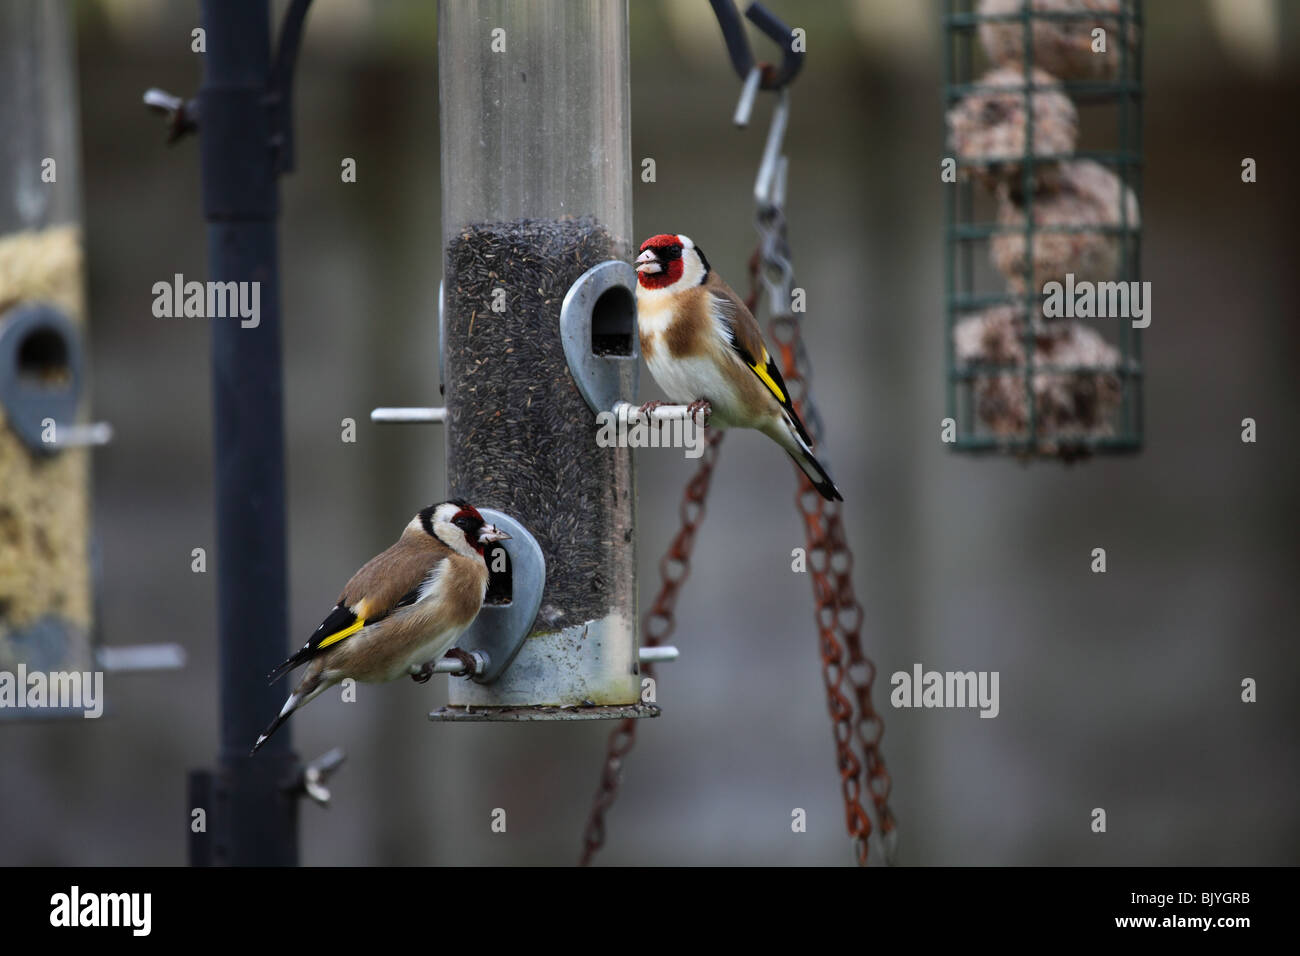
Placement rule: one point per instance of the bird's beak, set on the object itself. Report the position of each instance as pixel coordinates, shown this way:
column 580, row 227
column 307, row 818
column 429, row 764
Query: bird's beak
column 648, row 262
column 489, row 533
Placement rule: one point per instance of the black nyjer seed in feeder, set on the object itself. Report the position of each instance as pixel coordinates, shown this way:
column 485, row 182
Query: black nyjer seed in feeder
column 521, row 435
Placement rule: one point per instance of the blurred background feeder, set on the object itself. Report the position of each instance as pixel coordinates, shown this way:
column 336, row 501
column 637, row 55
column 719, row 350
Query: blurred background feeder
column 1077, row 228
column 1036, row 201
column 537, row 191
column 989, row 130
column 1060, row 34
column 48, row 552
column 46, row 586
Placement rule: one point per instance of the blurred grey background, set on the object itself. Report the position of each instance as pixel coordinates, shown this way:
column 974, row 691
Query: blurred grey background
column 1119, row 690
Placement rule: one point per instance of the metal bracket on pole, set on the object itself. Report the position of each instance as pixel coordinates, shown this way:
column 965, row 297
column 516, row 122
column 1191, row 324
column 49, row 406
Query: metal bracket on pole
column 313, row 780
column 279, row 86
column 182, row 115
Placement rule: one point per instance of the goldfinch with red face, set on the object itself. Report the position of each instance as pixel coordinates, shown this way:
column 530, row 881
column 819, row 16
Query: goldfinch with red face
column 701, row 344
column 401, row 612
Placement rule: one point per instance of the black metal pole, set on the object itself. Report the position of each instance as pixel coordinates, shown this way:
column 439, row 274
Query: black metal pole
column 254, row 821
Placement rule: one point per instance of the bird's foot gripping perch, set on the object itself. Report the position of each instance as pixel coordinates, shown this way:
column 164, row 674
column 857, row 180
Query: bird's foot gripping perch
column 467, row 660
column 423, row 673
column 702, row 408
column 645, row 410
column 469, row 666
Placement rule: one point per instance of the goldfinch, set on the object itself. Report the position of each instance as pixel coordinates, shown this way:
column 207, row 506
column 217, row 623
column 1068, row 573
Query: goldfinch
column 702, row 344
column 401, row 612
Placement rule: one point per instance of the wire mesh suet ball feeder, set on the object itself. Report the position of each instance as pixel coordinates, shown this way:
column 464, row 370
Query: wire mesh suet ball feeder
column 1043, row 119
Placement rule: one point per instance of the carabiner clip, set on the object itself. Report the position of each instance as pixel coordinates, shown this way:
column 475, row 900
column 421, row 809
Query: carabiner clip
column 769, row 185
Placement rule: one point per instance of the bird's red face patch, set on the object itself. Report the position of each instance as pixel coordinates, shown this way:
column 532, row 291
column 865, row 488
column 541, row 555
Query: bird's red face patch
column 470, row 522
column 660, row 263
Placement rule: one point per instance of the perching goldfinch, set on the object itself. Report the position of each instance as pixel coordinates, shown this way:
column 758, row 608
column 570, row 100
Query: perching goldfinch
column 701, row 344
column 401, row 612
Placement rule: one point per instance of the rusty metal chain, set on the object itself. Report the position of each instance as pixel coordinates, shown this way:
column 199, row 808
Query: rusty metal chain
column 839, row 619
column 838, row 614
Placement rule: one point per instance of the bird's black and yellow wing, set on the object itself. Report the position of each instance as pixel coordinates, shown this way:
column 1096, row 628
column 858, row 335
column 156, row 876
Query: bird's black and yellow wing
column 741, row 332
column 341, row 623
column 387, row 582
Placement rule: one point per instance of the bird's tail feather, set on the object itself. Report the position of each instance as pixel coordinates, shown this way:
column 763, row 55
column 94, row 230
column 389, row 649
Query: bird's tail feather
column 803, row 456
column 817, row 475
column 289, row 707
column 305, row 693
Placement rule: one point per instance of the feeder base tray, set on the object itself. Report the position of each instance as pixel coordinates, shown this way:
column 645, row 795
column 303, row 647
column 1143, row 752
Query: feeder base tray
column 599, row 712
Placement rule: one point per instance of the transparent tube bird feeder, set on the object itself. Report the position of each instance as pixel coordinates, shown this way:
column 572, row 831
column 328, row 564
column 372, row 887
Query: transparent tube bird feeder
column 536, row 192
column 46, row 605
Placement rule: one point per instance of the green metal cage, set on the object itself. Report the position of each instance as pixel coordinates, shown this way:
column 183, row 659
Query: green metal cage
column 1019, row 217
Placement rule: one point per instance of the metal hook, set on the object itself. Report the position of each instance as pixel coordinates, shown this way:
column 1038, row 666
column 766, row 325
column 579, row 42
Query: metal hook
column 775, row 273
column 742, row 58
